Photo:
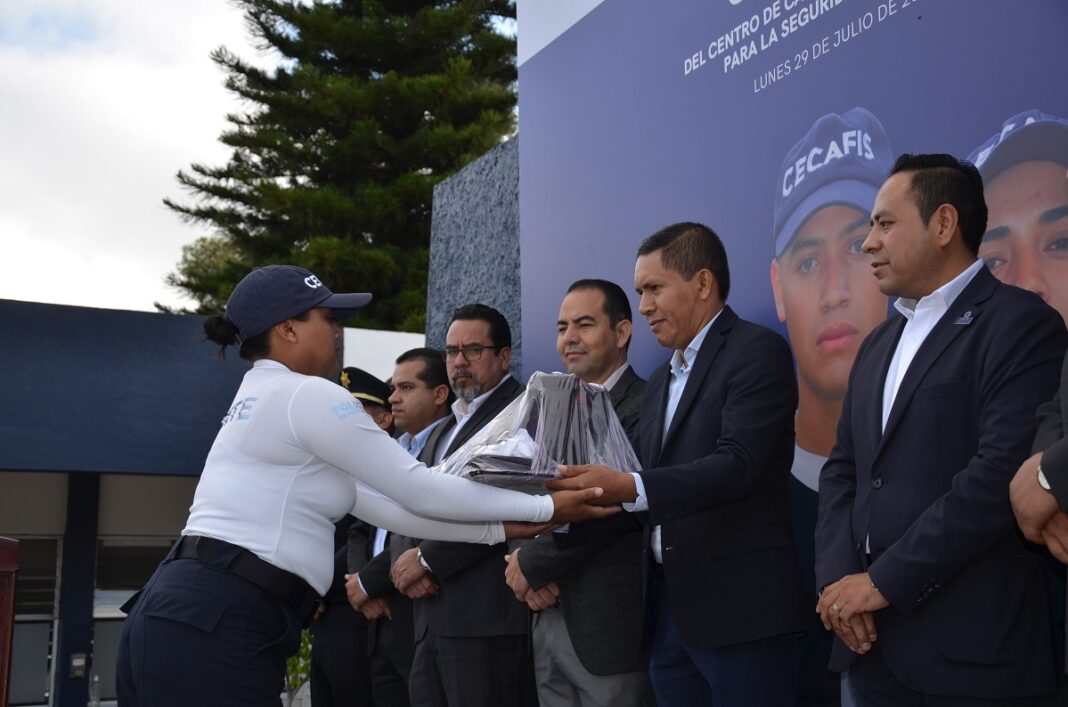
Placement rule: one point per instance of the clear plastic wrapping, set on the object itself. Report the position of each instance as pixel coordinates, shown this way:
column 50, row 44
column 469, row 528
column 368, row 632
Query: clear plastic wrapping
column 557, row 420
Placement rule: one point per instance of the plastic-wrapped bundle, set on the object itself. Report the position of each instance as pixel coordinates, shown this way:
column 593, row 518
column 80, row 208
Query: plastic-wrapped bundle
column 558, row 420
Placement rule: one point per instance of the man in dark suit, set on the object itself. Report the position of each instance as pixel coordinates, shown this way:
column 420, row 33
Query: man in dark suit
column 1039, row 494
column 1039, row 491
column 419, row 402
column 717, row 442
column 471, row 636
column 589, row 650
column 923, row 573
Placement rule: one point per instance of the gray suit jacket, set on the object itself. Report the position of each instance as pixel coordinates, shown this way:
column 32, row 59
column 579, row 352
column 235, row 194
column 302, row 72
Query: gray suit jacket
column 473, row 599
column 600, row 582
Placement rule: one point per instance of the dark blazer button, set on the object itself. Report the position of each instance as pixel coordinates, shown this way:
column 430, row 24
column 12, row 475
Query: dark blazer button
column 876, row 483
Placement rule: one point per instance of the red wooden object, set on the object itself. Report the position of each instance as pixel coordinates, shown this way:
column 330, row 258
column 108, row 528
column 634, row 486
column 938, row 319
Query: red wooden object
column 9, row 569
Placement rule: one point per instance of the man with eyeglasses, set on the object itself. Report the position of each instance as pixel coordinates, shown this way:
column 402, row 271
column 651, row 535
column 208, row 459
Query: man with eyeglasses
column 472, row 636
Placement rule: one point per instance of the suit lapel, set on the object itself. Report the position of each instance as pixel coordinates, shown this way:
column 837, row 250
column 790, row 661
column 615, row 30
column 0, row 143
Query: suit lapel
column 652, row 433
column 709, row 348
column 619, row 392
column 426, row 454
column 487, row 411
column 966, row 308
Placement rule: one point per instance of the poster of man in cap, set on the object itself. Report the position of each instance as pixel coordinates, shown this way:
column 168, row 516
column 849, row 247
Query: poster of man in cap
column 1025, row 172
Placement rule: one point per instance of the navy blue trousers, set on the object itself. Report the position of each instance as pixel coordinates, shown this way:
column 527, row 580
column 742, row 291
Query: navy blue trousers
column 200, row 636
column 761, row 673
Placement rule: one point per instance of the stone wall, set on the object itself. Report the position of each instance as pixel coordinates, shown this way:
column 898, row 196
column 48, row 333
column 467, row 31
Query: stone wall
column 474, row 244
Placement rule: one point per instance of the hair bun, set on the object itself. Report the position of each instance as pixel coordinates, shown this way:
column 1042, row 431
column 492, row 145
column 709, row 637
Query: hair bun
column 220, row 330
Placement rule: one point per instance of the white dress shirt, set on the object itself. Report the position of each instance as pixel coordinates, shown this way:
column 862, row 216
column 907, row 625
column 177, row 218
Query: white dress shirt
column 681, row 365
column 922, row 316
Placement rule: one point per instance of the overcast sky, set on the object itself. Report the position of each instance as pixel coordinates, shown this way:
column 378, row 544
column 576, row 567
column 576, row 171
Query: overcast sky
column 101, row 103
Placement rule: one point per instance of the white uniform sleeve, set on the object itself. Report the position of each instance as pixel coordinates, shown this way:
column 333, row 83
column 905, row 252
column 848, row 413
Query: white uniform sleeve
column 331, row 424
column 384, row 512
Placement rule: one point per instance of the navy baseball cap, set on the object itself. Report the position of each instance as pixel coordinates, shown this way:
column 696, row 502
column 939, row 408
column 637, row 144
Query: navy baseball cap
column 274, row 293
column 1027, row 136
column 842, row 159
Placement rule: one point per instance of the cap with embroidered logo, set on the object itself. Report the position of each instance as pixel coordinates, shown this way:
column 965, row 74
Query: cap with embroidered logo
column 842, row 159
column 1025, row 137
column 274, row 293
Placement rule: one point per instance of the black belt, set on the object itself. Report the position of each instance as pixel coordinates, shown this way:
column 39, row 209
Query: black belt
column 281, row 584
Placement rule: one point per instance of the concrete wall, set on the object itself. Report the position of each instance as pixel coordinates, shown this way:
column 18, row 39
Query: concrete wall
column 474, row 244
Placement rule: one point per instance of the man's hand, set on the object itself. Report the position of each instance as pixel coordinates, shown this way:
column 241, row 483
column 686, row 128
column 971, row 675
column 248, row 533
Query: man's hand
column 407, row 570
column 1055, row 535
column 544, row 598
column 858, row 633
column 374, row 609
column 618, row 487
column 514, row 578
column 846, row 607
column 422, row 588
column 356, row 595
column 1033, row 505
column 576, row 505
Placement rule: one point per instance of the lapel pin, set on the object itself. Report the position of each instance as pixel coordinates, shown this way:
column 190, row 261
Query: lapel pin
column 964, row 319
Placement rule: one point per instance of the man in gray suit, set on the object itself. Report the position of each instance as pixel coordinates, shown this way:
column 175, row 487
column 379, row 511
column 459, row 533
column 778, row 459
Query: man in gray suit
column 588, row 647
column 471, row 636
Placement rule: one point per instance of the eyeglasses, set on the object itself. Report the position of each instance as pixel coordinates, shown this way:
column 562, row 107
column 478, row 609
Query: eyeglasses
column 471, row 352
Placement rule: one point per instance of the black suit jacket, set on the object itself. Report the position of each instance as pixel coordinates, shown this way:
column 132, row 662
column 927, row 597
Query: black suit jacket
column 969, row 612
column 600, row 582
column 473, row 599
column 717, row 484
column 1052, row 440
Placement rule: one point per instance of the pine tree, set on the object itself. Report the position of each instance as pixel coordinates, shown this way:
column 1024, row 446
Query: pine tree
column 333, row 166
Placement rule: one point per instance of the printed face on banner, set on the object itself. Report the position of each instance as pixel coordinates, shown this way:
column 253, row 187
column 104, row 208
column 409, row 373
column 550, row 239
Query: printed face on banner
column 1026, row 243
column 827, row 296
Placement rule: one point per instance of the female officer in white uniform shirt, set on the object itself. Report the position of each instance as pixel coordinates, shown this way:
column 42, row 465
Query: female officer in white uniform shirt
column 217, row 620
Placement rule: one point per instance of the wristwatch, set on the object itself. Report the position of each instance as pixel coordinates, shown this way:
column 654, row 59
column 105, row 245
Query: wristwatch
column 1042, row 480
column 422, row 562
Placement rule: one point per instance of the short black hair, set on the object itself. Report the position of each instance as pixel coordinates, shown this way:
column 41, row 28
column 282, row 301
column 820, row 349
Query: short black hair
column 943, row 179
column 433, row 372
column 689, row 247
column 616, row 305
column 499, row 331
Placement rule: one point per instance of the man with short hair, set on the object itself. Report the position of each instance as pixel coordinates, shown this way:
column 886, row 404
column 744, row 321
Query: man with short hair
column 826, row 295
column 471, row 636
column 419, row 402
column 924, row 576
column 588, row 647
column 1025, row 168
column 716, row 441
